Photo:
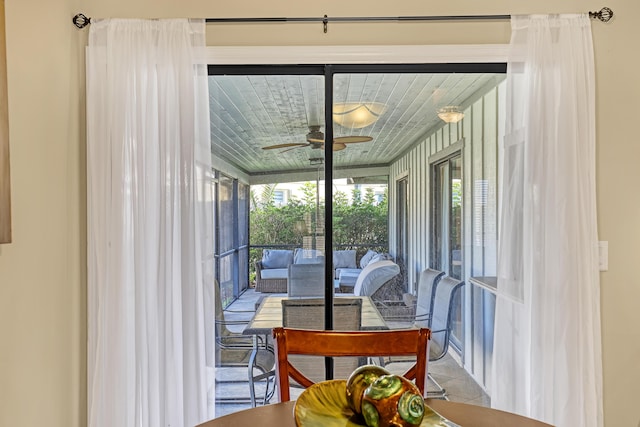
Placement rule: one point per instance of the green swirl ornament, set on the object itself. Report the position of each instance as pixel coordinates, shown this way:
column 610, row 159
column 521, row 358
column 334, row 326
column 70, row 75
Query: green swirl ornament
column 411, row 408
column 370, row 414
column 358, row 382
column 392, row 401
column 384, row 387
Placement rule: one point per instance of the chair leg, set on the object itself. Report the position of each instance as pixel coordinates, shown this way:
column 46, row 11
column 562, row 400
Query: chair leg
column 268, row 393
column 440, row 393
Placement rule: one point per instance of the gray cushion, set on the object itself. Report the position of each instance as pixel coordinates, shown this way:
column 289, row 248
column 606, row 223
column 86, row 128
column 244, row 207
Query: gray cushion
column 276, row 258
column 380, row 257
column 344, row 259
column 348, row 276
column 274, row 273
column 308, row 256
column 366, row 258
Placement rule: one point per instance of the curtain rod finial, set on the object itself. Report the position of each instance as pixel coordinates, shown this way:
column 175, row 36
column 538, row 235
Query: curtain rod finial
column 81, row 20
column 605, row 14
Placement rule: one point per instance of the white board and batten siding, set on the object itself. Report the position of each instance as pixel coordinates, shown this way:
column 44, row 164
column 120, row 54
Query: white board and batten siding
column 478, row 135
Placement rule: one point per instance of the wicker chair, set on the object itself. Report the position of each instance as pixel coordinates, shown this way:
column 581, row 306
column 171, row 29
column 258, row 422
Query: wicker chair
column 269, row 285
column 308, row 313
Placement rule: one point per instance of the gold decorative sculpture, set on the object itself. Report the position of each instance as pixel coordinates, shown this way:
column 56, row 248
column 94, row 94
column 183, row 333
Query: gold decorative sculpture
column 384, row 400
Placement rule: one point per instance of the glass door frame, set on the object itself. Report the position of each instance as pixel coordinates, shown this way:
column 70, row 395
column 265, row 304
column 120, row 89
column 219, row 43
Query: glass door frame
column 328, row 71
column 452, row 153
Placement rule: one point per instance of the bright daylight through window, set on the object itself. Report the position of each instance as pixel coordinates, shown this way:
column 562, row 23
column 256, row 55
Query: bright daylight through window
column 410, row 190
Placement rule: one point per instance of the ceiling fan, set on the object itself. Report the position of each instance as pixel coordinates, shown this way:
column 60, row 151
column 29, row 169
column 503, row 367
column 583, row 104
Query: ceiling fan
column 315, row 140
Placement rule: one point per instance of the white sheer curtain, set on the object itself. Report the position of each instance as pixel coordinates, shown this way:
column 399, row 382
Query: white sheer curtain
column 547, row 351
column 148, row 224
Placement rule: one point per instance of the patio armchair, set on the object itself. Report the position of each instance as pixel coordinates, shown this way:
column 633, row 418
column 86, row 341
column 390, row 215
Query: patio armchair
column 374, row 276
column 272, row 270
column 236, row 350
column 378, row 281
column 441, row 326
column 422, row 301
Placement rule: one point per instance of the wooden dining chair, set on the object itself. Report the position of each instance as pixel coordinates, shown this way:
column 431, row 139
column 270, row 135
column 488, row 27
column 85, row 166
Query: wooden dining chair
column 348, row 343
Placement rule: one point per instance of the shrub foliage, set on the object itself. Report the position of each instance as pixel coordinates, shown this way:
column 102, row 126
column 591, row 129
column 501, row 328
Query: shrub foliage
column 361, row 224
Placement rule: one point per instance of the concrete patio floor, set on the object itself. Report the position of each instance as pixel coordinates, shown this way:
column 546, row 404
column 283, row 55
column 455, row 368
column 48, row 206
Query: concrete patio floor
column 233, row 383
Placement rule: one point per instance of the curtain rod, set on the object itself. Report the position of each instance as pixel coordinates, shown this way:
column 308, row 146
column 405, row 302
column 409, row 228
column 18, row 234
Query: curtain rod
column 604, row 15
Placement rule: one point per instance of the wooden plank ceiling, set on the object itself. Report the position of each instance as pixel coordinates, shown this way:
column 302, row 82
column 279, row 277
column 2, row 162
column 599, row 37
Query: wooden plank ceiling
column 252, row 112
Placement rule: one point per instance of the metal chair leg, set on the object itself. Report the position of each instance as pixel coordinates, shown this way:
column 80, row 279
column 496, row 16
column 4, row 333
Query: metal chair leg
column 441, row 393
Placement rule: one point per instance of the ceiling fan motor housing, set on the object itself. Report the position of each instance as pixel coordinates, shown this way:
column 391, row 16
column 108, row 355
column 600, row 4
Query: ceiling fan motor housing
column 314, row 135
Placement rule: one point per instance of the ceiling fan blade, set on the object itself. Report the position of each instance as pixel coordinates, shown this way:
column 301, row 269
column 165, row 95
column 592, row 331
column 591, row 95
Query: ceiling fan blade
column 316, row 140
column 344, row 139
column 293, row 148
column 290, row 144
column 338, row 146
column 351, row 139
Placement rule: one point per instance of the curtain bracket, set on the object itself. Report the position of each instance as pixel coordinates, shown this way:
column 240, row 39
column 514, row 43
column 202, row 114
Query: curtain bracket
column 325, row 21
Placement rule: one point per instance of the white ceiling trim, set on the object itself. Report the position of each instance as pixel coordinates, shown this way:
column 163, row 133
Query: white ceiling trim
column 405, row 54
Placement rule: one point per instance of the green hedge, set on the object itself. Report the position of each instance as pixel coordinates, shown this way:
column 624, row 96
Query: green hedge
column 361, row 224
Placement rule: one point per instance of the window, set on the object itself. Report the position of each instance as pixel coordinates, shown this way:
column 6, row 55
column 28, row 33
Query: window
column 280, row 197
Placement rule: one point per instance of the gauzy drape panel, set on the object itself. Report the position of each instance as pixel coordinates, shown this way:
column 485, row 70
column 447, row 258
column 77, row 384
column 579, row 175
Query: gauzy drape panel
column 547, row 350
column 148, row 159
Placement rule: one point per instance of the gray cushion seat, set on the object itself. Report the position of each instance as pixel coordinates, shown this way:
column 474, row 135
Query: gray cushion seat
column 349, row 275
column 274, row 273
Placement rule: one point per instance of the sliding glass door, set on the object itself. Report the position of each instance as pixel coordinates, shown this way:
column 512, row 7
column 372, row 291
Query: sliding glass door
column 319, row 160
column 446, row 239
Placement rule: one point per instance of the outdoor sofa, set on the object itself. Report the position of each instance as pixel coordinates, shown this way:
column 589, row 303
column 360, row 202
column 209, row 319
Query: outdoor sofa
column 272, row 270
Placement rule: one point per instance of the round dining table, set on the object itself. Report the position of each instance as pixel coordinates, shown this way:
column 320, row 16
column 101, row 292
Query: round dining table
column 465, row 415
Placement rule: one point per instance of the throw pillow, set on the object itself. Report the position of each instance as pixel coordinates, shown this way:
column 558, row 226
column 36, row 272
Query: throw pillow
column 366, row 258
column 344, row 259
column 276, row 258
column 308, row 256
column 380, row 257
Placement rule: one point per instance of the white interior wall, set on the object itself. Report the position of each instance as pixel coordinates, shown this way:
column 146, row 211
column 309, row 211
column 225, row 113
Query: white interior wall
column 43, row 273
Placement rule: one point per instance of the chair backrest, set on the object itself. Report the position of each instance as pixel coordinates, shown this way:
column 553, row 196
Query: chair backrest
column 442, row 316
column 427, row 283
column 305, row 280
column 348, row 343
column 308, row 313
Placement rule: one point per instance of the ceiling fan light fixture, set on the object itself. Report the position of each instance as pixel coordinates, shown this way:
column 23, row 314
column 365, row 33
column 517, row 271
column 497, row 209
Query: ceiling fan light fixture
column 357, row 115
column 450, row 114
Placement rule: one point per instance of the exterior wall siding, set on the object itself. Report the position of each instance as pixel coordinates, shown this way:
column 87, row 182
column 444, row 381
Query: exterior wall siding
column 479, row 132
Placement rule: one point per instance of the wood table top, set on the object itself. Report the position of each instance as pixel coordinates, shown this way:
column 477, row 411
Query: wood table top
column 281, row 415
column 269, row 316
